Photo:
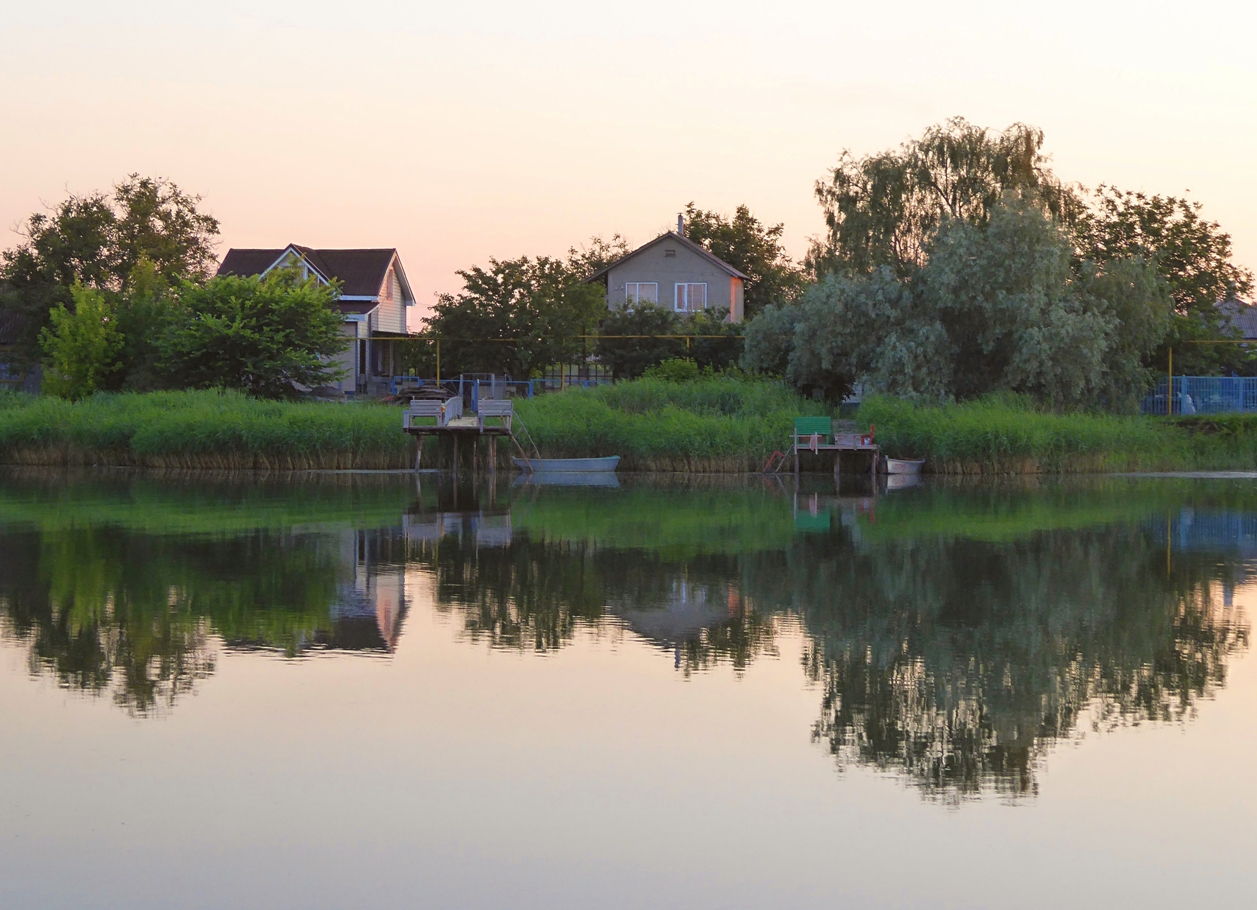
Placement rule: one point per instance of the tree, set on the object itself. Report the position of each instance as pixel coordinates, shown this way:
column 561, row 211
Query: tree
column 883, row 209
column 158, row 222
column 1191, row 255
column 82, row 346
column 715, row 343
column 747, row 245
column 519, row 316
column 995, row 308
column 628, row 342
column 98, row 241
column 265, row 336
column 144, row 314
column 1013, row 315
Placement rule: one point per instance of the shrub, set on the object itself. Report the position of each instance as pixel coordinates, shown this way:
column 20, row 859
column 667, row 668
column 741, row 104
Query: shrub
column 675, row 370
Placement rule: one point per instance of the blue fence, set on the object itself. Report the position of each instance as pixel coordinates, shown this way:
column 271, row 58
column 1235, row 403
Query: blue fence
column 1203, row 395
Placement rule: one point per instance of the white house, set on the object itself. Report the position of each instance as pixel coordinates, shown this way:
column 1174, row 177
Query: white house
column 374, row 300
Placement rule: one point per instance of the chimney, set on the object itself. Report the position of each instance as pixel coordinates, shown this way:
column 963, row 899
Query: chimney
column 681, row 224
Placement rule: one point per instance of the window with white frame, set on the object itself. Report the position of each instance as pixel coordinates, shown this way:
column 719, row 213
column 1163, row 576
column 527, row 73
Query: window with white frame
column 690, row 298
column 641, row 291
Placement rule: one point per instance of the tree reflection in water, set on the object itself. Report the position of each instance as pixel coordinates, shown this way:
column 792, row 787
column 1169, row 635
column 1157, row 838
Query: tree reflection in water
column 954, row 662
column 959, row 663
column 140, row 616
column 951, row 657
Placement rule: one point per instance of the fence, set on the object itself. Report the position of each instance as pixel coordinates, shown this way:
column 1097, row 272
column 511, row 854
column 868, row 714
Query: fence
column 1203, row 395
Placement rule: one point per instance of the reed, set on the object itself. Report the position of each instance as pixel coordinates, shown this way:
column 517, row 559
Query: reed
column 711, row 426
column 717, row 425
column 202, row 430
column 1003, row 435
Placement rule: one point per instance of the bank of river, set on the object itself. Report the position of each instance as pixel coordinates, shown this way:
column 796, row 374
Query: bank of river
column 710, row 426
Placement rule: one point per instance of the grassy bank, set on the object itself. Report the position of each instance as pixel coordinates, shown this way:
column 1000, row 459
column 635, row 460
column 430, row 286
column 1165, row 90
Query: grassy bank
column 1002, row 437
column 201, row 430
column 711, row 426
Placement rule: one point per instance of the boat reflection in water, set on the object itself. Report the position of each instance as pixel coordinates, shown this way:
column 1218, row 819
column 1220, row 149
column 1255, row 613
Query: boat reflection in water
column 952, row 634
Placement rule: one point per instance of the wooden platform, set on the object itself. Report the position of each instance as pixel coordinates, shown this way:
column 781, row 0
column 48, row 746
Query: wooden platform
column 820, row 434
column 449, row 421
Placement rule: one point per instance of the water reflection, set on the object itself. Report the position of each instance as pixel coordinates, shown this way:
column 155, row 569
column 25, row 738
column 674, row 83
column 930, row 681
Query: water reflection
column 952, row 634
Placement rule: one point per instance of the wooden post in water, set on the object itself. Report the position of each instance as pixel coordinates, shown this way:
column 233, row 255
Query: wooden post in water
column 419, row 452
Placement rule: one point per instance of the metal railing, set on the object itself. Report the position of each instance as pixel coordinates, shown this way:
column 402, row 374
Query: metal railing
column 472, row 390
column 1203, row 395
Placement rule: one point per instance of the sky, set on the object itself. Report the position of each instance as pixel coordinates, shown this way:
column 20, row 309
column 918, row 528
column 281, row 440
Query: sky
column 457, row 132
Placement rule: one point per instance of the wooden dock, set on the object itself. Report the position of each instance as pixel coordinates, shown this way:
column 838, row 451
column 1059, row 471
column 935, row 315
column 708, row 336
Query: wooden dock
column 430, row 417
column 820, row 434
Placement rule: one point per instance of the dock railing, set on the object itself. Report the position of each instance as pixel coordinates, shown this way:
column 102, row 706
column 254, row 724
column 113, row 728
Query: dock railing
column 473, row 390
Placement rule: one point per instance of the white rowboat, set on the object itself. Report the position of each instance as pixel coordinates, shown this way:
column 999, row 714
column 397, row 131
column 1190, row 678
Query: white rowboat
column 904, row 465
column 567, row 465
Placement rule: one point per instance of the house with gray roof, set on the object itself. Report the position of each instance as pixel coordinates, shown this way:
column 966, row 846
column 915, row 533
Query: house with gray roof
column 375, row 297
column 1239, row 316
column 676, row 273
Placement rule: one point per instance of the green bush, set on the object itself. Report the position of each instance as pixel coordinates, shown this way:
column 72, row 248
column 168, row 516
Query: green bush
column 675, row 370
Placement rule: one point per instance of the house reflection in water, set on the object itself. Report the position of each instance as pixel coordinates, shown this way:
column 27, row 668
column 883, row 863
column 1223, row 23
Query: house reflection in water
column 368, row 614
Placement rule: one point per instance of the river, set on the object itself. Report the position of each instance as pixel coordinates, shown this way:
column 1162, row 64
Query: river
column 343, row 690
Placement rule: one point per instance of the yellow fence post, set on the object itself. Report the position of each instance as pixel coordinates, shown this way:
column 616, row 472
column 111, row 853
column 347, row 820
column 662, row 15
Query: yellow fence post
column 1169, row 387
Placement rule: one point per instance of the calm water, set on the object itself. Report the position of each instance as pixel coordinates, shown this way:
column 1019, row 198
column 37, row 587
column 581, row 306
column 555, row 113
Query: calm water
column 355, row 690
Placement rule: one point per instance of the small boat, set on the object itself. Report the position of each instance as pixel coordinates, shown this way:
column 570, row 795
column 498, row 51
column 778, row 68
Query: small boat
column 904, row 465
column 567, row 465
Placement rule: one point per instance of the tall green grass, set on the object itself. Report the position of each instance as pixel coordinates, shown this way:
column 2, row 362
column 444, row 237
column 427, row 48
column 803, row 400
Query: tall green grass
column 654, row 425
column 201, row 430
column 712, row 425
column 1003, row 435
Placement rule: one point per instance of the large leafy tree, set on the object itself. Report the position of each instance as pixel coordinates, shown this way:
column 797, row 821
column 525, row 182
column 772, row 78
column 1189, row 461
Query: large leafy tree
column 266, row 336
column 748, row 245
column 883, row 209
column 1000, row 307
column 1190, row 253
column 518, row 316
column 98, row 241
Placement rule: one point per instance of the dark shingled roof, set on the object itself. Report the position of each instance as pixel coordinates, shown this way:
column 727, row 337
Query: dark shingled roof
column 361, row 272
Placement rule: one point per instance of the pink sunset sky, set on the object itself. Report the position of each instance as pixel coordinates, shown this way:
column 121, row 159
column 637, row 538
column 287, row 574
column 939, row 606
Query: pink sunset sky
column 460, row 131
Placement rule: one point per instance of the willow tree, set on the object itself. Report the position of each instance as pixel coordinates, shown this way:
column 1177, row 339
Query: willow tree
column 883, row 209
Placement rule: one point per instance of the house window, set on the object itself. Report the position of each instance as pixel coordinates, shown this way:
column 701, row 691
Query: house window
column 362, row 357
column 388, row 285
column 691, row 298
column 641, row 291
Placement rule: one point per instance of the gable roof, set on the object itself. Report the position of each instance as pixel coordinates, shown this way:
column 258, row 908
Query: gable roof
column 675, row 238
column 360, row 272
column 1239, row 315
